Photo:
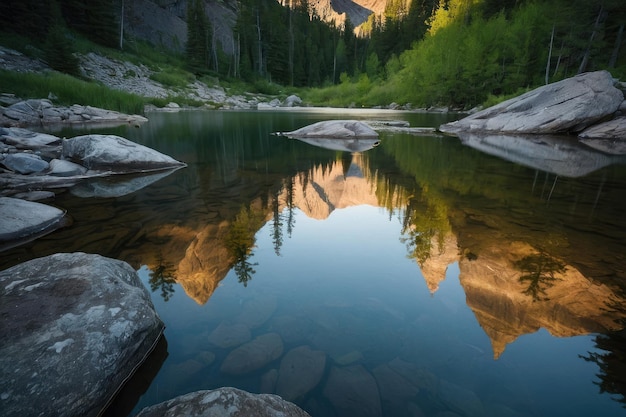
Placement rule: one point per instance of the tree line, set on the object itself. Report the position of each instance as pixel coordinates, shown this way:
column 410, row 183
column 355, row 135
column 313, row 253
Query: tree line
column 425, row 52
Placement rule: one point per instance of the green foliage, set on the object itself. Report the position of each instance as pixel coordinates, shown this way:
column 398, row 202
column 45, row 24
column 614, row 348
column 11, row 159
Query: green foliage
column 59, row 51
column 173, row 77
column 198, row 36
column 69, row 90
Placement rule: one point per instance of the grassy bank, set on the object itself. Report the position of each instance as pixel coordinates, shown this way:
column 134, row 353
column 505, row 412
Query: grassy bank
column 69, row 90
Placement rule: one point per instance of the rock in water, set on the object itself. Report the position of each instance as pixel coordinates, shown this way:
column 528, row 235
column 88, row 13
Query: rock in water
column 110, row 152
column 224, row 402
column 23, row 221
column 353, row 392
column 74, row 328
column 253, row 355
column 300, row 371
column 335, row 129
column 569, row 105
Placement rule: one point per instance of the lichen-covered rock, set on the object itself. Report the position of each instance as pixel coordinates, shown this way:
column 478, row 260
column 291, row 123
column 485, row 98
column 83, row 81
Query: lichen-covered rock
column 224, row 402
column 74, row 328
column 569, row 105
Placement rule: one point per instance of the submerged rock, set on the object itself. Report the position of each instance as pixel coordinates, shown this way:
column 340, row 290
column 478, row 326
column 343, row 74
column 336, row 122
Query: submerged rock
column 224, row 402
column 75, row 327
column 569, row 105
column 334, row 129
column 253, row 355
column 300, row 371
column 353, row 391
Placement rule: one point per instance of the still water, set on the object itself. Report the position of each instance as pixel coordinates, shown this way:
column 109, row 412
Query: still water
column 425, row 276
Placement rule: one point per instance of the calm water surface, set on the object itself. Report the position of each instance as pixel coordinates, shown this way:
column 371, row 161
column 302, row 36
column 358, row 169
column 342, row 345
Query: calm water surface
column 422, row 277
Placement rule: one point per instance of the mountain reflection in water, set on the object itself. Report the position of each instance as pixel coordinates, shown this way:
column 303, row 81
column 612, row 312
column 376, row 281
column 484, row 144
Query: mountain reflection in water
column 414, row 220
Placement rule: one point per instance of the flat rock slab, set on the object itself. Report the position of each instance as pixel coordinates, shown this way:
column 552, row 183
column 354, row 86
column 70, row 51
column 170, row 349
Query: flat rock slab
column 22, row 221
column 569, row 105
column 74, row 328
column 224, row 402
column 334, row 129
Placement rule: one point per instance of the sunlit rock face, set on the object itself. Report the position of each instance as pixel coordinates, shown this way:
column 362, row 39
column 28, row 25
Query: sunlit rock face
column 442, row 255
column 325, row 189
column 499, row 286
column 205, row 264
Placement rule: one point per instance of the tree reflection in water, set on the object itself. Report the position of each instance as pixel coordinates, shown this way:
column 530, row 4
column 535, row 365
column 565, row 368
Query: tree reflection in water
column 240, row 240
column 538, row 271
column 162, row 277
column 611, row 360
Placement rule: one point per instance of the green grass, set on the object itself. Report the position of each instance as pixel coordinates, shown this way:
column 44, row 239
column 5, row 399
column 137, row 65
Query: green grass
column 69, row 90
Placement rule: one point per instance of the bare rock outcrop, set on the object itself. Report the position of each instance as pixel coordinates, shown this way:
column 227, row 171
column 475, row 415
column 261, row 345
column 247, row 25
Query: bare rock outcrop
column 334, row 129
column 565, row 106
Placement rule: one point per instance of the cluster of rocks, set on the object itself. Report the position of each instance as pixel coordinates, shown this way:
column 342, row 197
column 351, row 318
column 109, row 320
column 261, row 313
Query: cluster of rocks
column 42, row 112
column 300, row 359
column 77, row 327
column 35, row 165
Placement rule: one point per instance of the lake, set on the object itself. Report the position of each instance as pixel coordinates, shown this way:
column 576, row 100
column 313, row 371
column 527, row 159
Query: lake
column 424, row 276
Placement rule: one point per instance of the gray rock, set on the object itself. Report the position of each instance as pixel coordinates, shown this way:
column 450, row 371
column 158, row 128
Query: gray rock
column 75, row 327
column 292, row 101
column 224, row 402
column 569, row 105
column 346, row 145
column 228, row 335
column 25, row 163
column 257, row 311
column 27, row 139
column 63, row 168
column 35, row 195
column 253, row 355
column 353, row 392
column 334, row 129
column 109, row 152
column 301, row 369
column 609, row 137
column 23, row 221
column 28, row 111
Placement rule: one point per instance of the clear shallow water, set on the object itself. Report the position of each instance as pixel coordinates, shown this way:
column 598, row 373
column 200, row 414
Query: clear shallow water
column 425, row 276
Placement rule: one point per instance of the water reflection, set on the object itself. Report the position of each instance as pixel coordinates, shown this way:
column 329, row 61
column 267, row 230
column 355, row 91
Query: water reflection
column 522, row 264
column 347, row 145
column 554, row 154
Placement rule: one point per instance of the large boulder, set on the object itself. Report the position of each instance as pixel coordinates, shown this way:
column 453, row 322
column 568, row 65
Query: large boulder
column 334, row 129
column 22, row 221
column 74, row 328
column 110, row 152
column 224, row 402
column 569, row 105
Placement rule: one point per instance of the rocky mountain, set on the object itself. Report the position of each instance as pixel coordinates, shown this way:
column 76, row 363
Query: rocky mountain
column 163, row 22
